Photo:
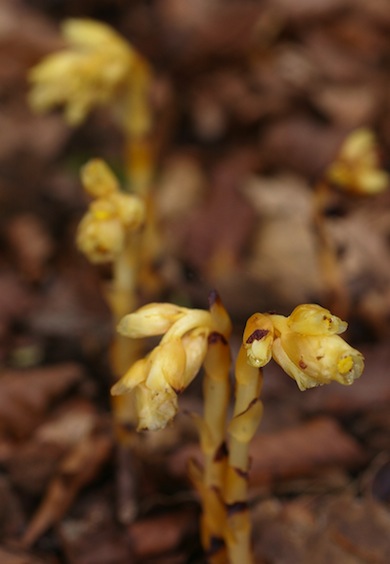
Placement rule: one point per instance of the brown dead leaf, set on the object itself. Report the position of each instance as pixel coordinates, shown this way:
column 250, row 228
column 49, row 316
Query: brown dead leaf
column 14, row 556
column 11, row 513
column 31, row 245
column 77, row 469
column 35, row 461
column 159, row 535
column 92, row 536
column 346, row 530
column 26, row 395
column 304, row 450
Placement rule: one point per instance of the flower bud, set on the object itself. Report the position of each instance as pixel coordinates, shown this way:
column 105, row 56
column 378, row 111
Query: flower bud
column 257, row 339
column 98, row 179
column 149, row 320
column 130, row 210
column 357, row 167
column 99, row 237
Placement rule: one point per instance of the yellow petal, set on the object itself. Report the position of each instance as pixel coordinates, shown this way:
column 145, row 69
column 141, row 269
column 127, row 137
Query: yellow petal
column 312, row 319
column 151, row 319
column 167, row 366
column 98, row 179
column 133, row 377
column 195, row 346
column 130, row 210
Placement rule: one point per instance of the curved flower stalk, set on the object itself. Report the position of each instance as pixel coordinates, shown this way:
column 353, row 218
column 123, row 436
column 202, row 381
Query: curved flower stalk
column 209, row 480
column 357, row 167
column 254, row 353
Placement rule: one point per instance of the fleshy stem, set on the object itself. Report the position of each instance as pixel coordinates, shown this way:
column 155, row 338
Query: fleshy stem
column 337, row 297
column 246, row 418
column 212, row 427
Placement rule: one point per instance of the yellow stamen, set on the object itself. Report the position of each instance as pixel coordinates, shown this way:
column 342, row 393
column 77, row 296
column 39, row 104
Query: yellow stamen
column 345, row 364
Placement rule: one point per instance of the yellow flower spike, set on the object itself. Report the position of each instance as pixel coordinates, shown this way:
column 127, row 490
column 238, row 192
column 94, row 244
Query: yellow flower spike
column 98, row 179
column 97, row 66
column 257, row 339
column 312, row 319
column 314, row 360
column 149, row 320
column 357, row 167
column 136, row 374
column 167, row 366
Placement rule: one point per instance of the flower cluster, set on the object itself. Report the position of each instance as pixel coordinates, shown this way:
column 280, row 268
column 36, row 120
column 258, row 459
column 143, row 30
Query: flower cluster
column 98, row 68
column 110, row 217
column 306, row 345
column 357, row 166
column 170, row 367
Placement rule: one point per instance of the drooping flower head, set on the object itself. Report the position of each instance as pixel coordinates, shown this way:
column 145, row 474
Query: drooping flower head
column 97, row 68
column 306, row 344
column 308, row 347
column 169, row 368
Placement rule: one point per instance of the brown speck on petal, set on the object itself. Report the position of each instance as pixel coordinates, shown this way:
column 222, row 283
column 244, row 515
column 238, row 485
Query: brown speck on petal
column 302, row 365
column 215, row 337
column 257, row 335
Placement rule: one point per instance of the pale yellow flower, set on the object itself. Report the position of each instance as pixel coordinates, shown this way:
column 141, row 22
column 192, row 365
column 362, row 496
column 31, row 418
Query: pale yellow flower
column 98, row 68
column 111, row 216
column 314, row 360
column 308, row 348
column 100, row 236
column 357, row 167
